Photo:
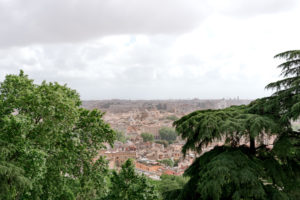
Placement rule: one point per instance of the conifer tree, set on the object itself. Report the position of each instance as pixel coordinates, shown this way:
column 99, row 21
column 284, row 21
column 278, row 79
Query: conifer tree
column 203, row 127
column 247, row 172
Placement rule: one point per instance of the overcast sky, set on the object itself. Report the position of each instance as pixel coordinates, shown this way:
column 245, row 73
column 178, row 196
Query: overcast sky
column 149, row 49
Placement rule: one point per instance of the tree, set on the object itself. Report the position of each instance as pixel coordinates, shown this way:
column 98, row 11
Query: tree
column 230, row 173
column 128, row 185
column 168, row 162
column 163, row 142
column 287, row 94
column 201, row 128
column 120, row 136
column 172, row 117
column 237, row 171
column 169, row 185
column 147, row 137
column 168, row 134
column 161, row 106
column 48, row 142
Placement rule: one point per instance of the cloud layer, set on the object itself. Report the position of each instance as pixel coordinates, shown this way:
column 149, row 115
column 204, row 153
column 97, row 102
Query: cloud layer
column 140, row 49
column 55, row 21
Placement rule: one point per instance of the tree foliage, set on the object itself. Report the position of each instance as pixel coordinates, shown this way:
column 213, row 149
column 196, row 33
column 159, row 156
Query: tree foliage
column 172, row 117
column 169, row 185
column 237, row 171
column 120, row 136
column 232, row 173
column 128, row 185
column 168, row 134
column 201, row 128
column 147, row 137
column 48, row 142
column 168, row 162
column 163, row 142
column 287, row 90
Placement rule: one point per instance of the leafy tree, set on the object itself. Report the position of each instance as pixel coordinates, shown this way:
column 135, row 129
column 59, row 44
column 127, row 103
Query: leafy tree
column 161, row 106
column 147, row 137
column 284, row 106
column 168, row 134
column 163, row 142
column 128, row 185
column 236, row 171
column 287, row 95
column 169, row 185
column 229, row 173
column 168, row 162
column 172, row 117
column 120, row 136
column 48, row 143
column 176, row 162
column 203, row 127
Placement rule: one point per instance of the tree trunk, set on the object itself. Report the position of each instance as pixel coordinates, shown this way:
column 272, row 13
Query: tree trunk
column 252, row 145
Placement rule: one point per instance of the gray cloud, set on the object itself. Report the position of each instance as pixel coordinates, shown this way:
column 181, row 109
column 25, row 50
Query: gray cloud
column 140, row 49
column 54, row 21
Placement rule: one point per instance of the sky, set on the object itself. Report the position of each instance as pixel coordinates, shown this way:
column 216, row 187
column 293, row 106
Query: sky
column 149, row 49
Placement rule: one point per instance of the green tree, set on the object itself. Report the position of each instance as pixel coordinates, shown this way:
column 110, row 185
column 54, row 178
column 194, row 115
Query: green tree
column 128, row 185
column 48, row 142
column 168, row 134
column 201, row 128
column 286, row 97
column 235, row 171
column 168, row 162
column 170, row 185
column 120, row 136
column 163, row 142
column 147, row 137
column 172, row 117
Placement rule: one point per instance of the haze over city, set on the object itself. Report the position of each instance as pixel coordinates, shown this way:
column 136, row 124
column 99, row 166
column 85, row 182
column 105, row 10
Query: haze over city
column 139, row 49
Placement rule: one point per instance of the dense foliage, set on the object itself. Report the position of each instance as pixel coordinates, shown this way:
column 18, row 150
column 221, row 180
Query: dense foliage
column 163, row 142
column 120, row 136
column 170, row 183
column 48, row 142
column 48, row 146
column 168, row 162
column 147, row 137
column 237, row 171
column 168, row 134
column 172, row 117
column 128, row 185
column 203, row 127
